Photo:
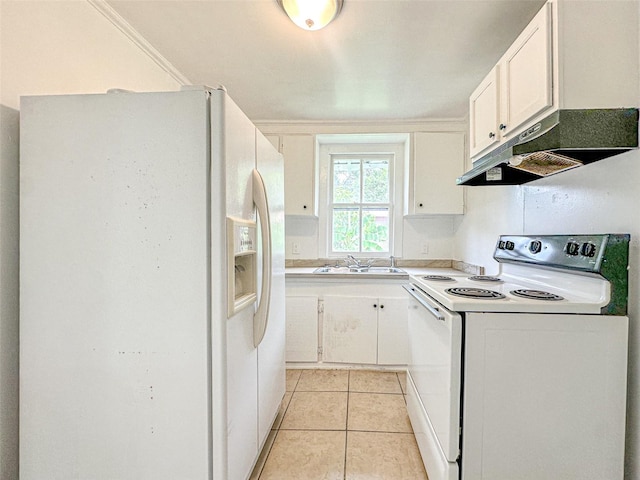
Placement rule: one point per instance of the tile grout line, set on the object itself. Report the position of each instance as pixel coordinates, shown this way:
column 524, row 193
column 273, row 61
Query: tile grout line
column 377, row 393
column 363, row 430
column 346, row 427
column 266, row 458
column 279, row 428
column 347, row 391
column 359, row 430
column 380, row 431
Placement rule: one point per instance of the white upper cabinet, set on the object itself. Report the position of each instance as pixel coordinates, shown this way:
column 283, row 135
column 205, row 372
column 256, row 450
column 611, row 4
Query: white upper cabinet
column 299, row 174
column 438, row 158
column 484, row 110
column 274, row 140
column 518, row 88
column 526, row 74
column 570, row 56
column 298, row 152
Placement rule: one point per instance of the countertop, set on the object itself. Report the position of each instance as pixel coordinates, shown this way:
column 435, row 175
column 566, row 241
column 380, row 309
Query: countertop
column 307, row 273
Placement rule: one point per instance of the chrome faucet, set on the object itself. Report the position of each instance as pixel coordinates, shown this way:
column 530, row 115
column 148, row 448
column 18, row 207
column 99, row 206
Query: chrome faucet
column 393, row 261
column 357, row 264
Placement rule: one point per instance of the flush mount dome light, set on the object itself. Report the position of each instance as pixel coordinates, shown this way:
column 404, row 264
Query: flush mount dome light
column 311, row 14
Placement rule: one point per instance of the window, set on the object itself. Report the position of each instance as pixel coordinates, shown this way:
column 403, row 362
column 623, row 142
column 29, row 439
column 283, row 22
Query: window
column 360, row 195
column 360, row 206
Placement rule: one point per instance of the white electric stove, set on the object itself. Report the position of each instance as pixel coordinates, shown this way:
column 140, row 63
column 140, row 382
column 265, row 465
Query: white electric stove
column 523, row 374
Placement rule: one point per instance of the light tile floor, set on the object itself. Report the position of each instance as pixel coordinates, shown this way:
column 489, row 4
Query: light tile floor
column 342, row 425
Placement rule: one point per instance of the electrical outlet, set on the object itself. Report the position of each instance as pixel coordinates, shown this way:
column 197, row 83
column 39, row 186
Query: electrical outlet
column 425, row 248
column 295, row 248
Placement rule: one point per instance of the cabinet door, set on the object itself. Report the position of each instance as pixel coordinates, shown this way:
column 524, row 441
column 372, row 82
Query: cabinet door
column 274, row 140
column 299, row 174
column 393, row 338
column 302, row 329
column 438, row 159
column 526, row 73
column 350, row 329
column 483, row 114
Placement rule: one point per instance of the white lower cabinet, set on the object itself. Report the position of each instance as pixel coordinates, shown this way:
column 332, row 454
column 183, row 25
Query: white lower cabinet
column 346, row 322
column 369, row 330
column 393, row 337
column 350, row 329
column 301, row 328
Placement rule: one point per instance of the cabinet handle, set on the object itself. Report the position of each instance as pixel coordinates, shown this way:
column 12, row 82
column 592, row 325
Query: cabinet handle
column 502, row 126
column 304, row 206
column 491, row 134
column 419, row 204
column 375, row 305
column 381, row 306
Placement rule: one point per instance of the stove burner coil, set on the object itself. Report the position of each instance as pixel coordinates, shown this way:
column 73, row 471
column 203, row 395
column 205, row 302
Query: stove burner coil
column 479, row 293
column 438, row 278
column 536, row 294
column 485, row 278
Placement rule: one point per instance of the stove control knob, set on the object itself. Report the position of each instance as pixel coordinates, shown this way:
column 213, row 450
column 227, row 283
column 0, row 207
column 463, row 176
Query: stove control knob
column 501, row 244
column 588, row 250
column 572, row 248
column 509, row 245
column 535, row 246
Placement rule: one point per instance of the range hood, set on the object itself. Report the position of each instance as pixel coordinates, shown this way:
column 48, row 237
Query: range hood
column 564, row 140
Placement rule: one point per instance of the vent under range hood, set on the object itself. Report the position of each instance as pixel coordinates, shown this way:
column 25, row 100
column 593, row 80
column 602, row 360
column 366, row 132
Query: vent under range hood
column 564, row 140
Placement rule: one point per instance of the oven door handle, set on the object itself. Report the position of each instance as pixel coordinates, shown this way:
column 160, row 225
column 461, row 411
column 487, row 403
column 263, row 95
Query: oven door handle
column 433, row 310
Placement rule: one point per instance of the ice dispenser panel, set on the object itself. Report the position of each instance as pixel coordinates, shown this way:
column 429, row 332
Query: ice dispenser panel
column 242, row 270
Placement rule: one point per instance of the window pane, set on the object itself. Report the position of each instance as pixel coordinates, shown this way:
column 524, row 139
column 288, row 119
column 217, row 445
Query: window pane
column 345, row 232
column 346, row 181
column 376, row 181
column 375, row 230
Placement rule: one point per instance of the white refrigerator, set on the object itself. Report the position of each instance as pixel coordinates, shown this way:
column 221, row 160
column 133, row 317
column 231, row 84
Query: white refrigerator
column 151, row 289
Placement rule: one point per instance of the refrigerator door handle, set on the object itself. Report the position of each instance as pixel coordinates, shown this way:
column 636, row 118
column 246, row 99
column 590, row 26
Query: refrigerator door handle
column 261, row 316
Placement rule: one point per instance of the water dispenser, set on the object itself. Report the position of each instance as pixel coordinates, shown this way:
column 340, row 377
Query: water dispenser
column 241, row 268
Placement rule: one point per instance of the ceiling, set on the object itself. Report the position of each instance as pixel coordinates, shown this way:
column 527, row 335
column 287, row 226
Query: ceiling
column 379, row 61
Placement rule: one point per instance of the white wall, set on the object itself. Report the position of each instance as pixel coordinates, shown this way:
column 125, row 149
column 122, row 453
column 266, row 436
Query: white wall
column 423, row 238
column 48, row 47
column 436, row 231
column 489, row 212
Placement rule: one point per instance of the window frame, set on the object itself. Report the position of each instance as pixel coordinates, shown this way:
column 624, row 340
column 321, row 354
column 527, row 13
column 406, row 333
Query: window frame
column 397, row 144
column 360, row 206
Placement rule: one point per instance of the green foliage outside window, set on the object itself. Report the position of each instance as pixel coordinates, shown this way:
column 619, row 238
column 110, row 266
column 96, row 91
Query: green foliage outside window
column 360, row 221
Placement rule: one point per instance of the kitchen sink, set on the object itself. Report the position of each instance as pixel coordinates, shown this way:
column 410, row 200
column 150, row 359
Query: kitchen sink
column 359, row 271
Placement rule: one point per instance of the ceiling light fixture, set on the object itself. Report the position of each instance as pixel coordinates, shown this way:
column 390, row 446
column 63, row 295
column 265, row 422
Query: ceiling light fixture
column 311, row 14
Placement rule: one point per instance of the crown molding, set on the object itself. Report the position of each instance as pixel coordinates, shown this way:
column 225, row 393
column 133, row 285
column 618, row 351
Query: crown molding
column 366, row 123
column 358, row 128
column 134, row 36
